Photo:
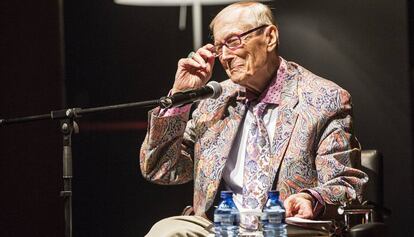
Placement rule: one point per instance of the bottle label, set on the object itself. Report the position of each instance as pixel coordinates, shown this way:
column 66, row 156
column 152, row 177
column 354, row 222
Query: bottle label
column 226, row 219
column 274, row 219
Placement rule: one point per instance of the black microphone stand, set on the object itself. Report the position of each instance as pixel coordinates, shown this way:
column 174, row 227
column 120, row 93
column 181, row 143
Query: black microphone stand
column 68, row 124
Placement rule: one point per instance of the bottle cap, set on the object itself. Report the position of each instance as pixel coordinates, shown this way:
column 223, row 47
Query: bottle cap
column 225, row 194
column 273, row 194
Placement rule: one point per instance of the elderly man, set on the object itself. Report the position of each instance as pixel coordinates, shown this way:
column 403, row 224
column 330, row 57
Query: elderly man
column 275, row 126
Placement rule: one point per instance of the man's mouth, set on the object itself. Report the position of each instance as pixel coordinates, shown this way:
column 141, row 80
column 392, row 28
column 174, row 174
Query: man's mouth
column 236, row 67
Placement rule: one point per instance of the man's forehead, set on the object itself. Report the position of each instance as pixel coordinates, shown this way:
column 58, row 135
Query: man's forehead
column 233, row 21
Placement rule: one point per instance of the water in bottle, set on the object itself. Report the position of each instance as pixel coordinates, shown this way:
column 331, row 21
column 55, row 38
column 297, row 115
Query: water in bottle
column 226, row 216
column 273, row 217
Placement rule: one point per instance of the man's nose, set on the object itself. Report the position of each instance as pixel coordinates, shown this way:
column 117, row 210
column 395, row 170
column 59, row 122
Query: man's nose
column 225, row 53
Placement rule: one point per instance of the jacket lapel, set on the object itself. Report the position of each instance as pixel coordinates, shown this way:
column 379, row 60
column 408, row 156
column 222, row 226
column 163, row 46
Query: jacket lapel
column 285, row 121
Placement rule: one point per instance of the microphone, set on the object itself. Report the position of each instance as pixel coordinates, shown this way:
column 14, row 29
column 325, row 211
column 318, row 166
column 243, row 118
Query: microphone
column 211, row 90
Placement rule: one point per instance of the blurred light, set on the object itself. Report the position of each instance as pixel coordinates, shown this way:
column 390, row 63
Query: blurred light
column 196, row 7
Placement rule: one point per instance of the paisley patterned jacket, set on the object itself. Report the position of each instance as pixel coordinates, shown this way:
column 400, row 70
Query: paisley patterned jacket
column 314, row 146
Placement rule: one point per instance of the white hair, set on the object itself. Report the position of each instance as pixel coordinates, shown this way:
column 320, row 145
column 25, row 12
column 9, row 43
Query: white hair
column 262, row 13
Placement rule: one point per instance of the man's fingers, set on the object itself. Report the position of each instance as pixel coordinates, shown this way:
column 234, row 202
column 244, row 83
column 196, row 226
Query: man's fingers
column 209, row 47
column 304, row 214
column 190, row 63
column 304, row 209
column 289, row 206
column 205, row 57
column 187, row 63
column 298, row 206
column 197, row 57
column 205, row 53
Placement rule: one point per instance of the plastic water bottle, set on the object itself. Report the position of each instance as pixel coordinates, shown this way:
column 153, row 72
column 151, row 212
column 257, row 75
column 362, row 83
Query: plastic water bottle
column 226, row 216
column 273, row 217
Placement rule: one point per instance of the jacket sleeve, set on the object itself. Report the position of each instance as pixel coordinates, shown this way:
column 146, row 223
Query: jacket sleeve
column 166, row 155
column 338, row 153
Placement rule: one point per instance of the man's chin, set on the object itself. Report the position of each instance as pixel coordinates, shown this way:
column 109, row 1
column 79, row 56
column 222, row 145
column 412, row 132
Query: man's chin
column 238, row 80
column 238, row 77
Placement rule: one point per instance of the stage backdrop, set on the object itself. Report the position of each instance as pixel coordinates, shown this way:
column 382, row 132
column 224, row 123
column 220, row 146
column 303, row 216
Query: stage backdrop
column 31, row 82
column 117, row 54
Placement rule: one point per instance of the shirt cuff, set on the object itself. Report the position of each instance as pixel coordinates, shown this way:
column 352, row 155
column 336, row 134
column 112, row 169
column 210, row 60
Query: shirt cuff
column 175, row 111
column 318, row 202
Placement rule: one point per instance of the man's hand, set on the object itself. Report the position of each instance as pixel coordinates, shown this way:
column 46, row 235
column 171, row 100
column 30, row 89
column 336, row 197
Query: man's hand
column 194, row 72
column 299, row 205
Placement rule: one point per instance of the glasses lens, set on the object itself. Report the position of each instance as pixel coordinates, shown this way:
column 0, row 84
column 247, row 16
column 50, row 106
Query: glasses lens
column 233, row 42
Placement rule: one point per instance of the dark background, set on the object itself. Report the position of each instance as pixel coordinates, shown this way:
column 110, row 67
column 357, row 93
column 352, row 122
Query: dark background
column 112, row 54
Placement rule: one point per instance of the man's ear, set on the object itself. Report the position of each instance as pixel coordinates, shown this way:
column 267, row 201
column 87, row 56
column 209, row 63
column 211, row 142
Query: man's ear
column 272, row 35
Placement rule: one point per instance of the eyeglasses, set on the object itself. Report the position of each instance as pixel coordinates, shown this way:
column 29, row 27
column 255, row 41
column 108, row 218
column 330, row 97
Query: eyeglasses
column 234, row 42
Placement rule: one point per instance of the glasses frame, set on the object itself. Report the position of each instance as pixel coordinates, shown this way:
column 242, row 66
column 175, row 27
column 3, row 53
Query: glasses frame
column 218, row 53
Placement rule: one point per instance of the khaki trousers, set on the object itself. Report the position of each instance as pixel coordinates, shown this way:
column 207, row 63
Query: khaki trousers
column 197, row 226
column 182, row 226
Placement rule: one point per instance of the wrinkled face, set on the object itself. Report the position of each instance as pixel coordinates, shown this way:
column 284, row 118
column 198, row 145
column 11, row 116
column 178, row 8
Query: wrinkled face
column 243, row 64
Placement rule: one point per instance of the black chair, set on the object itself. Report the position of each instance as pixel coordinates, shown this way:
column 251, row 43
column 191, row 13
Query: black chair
column 371, row 164
column 371, row 213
